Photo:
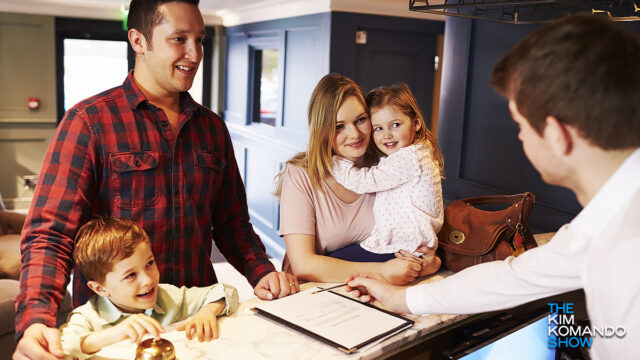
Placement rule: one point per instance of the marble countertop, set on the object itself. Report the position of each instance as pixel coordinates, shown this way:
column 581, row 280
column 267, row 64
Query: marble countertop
column 245, row 335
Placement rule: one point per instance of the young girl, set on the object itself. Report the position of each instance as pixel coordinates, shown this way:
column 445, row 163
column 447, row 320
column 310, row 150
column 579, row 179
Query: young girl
column 408, row 206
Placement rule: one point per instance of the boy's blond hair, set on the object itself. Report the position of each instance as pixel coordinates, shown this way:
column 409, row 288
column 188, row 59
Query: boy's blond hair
column 102, row 242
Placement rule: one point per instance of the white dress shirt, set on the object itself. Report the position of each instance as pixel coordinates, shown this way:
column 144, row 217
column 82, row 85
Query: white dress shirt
column 597, row 251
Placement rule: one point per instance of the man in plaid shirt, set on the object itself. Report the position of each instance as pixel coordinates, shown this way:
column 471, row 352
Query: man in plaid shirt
column 145, row 151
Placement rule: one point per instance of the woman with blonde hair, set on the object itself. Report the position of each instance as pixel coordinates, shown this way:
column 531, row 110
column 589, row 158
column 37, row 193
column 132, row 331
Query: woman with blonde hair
column 408, row 210
column 319, row 216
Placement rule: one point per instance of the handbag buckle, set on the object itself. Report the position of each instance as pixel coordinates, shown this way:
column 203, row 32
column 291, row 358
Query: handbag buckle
column 456, row 237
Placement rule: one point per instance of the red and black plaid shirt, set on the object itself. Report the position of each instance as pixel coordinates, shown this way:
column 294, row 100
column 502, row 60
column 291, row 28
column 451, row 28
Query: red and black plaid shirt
column 115, row 154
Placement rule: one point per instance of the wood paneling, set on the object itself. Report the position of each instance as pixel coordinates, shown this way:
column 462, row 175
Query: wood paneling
column 261, row 150
column 27, row 68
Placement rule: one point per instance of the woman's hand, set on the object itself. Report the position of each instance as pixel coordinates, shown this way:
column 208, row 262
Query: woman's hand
column 429, row 262
column 401, row 271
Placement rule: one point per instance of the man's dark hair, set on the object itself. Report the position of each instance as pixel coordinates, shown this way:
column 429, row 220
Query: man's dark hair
column 144, row 15
column 584, row 71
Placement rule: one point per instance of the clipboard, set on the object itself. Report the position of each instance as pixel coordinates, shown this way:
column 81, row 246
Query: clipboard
column 334, row 319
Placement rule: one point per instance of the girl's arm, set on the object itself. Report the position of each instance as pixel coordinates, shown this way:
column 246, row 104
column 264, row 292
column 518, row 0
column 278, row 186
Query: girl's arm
column 392, row 172
column 308, row 265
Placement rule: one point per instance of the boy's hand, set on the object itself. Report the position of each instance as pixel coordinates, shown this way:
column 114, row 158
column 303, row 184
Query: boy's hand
column 133, row 327
column 368, row 287
column 204, row 323
column 136, row 326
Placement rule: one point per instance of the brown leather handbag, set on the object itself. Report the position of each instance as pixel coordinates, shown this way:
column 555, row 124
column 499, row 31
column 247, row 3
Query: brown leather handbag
column 471, row 236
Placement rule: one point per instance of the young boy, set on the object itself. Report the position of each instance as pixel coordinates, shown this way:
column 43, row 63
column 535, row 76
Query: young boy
column 115, row 257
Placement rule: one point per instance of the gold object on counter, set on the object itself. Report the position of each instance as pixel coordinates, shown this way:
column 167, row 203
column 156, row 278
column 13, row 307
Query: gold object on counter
column 155, row 349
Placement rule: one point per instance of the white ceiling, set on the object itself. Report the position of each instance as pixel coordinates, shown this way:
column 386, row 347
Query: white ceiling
column 215, row 12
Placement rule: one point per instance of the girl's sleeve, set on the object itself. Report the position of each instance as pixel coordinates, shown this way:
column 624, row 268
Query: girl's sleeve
column 392, row 172
column 426, row 195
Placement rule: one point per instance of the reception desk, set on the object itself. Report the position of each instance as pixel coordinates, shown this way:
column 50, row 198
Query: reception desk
column 246, row 335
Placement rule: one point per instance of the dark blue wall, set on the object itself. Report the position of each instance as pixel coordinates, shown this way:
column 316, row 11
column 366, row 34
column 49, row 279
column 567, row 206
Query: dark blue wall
column 397, row 49
column 303, row 44
column 482, row 153
column 312, row 46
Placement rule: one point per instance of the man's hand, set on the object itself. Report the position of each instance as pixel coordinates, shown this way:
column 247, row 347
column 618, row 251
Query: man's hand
column 204, row 323
column 276, row 285
column 369, row 287
column 39, row 342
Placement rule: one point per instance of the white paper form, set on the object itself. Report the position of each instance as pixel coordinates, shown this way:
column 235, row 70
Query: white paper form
column 336, row 318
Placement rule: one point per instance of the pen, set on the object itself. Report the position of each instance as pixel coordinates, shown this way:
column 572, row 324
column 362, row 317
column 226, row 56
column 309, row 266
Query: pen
column 329, row 288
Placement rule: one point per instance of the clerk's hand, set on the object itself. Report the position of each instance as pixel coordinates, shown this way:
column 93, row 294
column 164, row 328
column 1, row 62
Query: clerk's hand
column 276, row 285
column 39, row 342
column 368, row 287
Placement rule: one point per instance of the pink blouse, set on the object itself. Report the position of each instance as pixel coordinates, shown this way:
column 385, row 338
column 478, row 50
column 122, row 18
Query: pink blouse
column 307, row 210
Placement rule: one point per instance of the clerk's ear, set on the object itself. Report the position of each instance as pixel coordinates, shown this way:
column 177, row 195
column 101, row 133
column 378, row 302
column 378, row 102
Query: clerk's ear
column 558, row 136
column 97, row 288
column 138, row 41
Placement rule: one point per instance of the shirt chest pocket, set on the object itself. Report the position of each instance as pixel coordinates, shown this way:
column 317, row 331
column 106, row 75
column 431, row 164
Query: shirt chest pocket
column 209, row 161
column 135, row 177
column 208, row 169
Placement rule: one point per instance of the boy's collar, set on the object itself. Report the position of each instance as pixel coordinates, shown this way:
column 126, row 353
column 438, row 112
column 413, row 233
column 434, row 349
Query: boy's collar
column 110, row 313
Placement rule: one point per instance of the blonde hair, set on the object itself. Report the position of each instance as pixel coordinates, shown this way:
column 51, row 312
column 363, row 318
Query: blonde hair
column 102, row 242
column 402, row 99
column 326, row 99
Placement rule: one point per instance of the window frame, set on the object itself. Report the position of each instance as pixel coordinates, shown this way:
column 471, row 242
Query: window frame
column 256, row 45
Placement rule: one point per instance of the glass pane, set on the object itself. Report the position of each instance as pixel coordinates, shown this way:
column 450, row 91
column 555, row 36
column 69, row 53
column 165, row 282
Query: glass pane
column 92, row 66
column 269, row 87
column 196, row 87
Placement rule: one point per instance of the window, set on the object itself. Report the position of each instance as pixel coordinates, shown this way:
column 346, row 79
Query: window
column 94, row 55
column 265, row 90
column 82, row 57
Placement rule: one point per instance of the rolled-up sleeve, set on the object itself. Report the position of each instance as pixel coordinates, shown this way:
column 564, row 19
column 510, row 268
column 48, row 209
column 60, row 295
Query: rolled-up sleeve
column 73, row 333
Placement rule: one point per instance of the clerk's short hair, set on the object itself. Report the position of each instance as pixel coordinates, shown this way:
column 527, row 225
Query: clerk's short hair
column 584, row 71
column 104, row 241
column 144, row 15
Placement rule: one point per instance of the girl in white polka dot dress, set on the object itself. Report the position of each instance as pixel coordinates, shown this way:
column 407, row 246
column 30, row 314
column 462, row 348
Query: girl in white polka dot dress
column 408, row 207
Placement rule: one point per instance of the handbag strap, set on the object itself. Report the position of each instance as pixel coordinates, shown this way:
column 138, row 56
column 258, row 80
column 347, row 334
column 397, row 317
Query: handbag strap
column 497, row 199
